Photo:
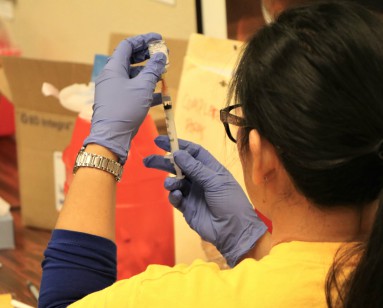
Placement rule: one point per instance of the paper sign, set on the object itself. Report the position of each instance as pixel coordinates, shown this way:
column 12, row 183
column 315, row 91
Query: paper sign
column 207, row 70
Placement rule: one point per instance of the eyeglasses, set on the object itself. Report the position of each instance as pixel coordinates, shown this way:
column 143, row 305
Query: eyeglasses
column 231, row 121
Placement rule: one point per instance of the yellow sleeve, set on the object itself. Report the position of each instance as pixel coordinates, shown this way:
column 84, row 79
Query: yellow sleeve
column 162, row 286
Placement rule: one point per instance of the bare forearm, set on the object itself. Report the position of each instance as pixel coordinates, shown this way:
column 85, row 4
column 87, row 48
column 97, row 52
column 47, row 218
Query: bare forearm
column 89, row 206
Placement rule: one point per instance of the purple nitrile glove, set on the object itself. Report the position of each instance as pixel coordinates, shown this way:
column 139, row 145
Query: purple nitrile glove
column 124, row 94
column 211, row 200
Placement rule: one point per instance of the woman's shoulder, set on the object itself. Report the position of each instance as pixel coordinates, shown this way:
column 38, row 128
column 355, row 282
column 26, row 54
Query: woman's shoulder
column 270, row 282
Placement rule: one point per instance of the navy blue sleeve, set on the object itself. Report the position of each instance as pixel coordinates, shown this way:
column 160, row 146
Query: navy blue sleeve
column 75, row 265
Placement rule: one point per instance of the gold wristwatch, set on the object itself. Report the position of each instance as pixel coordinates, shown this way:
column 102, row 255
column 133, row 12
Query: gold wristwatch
column 85, row 159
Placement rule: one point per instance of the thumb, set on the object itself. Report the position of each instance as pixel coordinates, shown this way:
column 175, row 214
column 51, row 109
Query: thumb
column 154, row 68
column 192, row 168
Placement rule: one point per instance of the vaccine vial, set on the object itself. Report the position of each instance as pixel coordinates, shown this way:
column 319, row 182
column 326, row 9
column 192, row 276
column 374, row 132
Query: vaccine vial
column 159, row 46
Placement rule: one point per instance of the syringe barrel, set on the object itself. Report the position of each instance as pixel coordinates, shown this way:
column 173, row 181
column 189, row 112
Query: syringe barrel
column 171, row 129
column 172, row 134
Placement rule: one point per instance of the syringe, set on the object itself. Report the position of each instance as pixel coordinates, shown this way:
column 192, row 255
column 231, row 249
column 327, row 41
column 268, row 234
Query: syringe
column 171, row 128
column 160, row 46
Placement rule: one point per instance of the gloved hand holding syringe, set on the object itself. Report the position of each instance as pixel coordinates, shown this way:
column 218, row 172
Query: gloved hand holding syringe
column 154, row 47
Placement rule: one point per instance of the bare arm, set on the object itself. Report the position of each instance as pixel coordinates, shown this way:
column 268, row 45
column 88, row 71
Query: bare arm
column 90, row 204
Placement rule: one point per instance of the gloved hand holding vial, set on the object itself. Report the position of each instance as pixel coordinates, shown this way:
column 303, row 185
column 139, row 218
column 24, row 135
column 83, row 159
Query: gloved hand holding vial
column 160, row 46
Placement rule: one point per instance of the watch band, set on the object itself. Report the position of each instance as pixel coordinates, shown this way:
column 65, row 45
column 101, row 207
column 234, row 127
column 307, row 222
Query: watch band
column 85, row 159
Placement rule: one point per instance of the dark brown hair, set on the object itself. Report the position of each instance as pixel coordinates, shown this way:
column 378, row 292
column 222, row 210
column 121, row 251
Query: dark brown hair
column 311, row 83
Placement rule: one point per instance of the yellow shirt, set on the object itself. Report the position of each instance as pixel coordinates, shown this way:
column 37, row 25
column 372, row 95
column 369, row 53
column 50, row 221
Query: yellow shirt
column 292, row 275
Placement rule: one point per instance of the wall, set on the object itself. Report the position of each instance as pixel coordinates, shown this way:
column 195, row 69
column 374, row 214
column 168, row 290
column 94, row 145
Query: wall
column 73, row 30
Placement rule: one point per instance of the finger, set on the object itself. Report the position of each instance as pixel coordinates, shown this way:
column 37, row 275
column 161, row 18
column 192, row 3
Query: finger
column 192, row 168
column 201, row 154
column 193, row 148
column 157, row 99
column 197, row 151
column 163, row 142
column 154, row 68
column 172, row 183
column 118, row 63
column 135, row 70
column 175, row 198
column 127, row 52
column 140, row 42
column 159, row 162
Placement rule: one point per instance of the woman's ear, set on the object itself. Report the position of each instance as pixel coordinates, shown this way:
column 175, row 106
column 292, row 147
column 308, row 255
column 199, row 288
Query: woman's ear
column 263, row 156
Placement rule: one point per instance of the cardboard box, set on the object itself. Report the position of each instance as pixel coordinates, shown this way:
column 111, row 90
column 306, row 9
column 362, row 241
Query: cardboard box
column 177, row 51
column 7, row 238
column 43, row 130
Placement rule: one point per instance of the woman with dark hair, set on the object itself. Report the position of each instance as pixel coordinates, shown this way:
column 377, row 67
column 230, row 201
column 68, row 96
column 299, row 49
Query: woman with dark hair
column 309, row 86
column 308, row 117
column 272, row 8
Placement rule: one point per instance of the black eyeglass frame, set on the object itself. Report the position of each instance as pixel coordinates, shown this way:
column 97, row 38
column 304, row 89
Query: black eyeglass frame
column 227, row 118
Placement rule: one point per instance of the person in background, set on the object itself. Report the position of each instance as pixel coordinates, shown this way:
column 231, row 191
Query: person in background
column 272, row 8
column 244, row 17
column 307, row 120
